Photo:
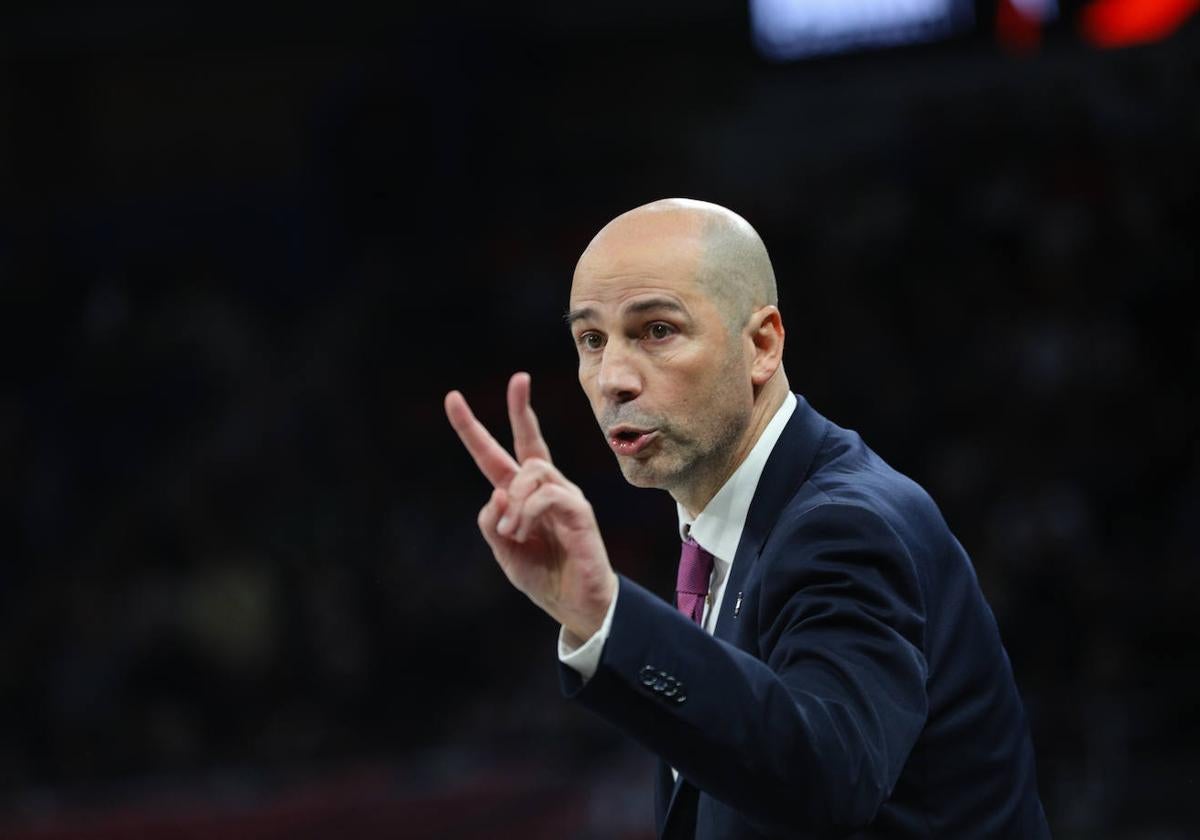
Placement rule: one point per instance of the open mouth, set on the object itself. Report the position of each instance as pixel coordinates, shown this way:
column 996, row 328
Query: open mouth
column 626, row 440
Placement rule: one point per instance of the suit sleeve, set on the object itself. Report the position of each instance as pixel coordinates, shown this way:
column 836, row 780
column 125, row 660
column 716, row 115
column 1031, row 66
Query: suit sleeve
column 814, row 731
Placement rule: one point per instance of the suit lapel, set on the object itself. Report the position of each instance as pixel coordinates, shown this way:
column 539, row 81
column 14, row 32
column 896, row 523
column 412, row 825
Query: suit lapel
column 787, row 467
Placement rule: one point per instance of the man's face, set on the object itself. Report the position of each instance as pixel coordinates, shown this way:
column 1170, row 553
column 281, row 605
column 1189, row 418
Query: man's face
column 668, row 381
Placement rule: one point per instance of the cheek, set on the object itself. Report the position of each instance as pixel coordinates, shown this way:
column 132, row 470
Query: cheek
column 687, row 387
column 587, row 381
column 715, row 383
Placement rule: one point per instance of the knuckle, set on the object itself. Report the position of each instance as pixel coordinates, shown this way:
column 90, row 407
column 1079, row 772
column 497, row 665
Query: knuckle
column 548, row 496
column 534, row 472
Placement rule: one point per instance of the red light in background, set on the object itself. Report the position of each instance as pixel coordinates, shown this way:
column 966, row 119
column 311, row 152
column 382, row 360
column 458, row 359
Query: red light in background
column 1017, row 29
column 1122, row 23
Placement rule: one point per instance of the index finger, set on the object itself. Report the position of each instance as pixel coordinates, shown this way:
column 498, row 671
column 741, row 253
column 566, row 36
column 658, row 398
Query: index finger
column 527, row 435
column 491, row 458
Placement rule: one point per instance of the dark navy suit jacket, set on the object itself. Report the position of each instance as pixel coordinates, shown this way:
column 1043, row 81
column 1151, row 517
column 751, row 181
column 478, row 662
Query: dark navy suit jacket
column 855, row 685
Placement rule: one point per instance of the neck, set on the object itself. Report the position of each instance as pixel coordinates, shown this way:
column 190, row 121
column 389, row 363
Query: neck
column 767, row 400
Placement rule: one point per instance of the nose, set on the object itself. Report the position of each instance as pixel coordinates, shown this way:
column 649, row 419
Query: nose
column 619, row 378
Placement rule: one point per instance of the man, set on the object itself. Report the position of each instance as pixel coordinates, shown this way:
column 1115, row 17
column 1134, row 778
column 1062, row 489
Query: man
column 830, row 667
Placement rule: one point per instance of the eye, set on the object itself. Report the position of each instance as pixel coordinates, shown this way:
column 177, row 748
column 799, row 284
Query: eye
column 659, row 331
column 591, row 341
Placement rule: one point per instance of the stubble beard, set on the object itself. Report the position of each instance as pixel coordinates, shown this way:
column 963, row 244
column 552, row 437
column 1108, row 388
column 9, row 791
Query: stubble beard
column 701, row 467
column 698, row 460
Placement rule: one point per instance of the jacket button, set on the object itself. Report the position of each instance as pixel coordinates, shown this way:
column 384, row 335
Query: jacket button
column 647, row 676
column 679, row 698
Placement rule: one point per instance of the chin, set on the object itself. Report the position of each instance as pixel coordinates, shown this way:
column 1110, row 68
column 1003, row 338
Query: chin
column 641, row 474
column 652, row 473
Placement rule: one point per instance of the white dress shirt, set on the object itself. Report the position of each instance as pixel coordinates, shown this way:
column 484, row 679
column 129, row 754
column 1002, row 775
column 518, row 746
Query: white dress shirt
column 718, row 530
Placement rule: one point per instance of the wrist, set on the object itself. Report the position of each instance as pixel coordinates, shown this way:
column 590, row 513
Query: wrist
column 581, row 627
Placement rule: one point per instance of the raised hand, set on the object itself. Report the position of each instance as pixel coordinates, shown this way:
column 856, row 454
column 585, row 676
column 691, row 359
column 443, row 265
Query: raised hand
column 539, row 526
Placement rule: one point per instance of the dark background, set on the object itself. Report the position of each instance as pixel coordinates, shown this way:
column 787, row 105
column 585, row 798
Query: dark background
column 245, row 251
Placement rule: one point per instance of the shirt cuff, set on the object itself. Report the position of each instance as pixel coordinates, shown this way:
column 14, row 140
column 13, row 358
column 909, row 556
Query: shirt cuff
column 586, row 658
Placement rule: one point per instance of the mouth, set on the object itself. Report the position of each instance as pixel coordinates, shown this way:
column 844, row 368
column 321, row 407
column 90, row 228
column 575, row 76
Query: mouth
column 629, row 440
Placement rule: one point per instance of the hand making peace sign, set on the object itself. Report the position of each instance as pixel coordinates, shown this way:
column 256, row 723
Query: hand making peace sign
column 539, row 525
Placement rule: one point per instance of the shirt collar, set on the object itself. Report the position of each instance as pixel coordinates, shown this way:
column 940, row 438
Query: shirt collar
column 719, row 526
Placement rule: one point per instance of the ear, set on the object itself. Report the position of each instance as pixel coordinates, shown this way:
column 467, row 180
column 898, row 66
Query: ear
column 765, row 331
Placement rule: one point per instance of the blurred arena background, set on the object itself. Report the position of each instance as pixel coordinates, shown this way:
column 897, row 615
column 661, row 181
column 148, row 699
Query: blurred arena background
column 245, row 250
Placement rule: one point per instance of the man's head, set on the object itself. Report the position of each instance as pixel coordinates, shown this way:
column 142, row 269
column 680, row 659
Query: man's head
column 673, row 310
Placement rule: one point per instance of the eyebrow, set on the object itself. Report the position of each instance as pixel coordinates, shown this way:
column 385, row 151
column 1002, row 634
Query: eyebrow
column 636, row 308
column 574, row 315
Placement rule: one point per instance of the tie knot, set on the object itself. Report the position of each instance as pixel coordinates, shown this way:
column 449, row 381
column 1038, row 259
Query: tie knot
column 695, row 568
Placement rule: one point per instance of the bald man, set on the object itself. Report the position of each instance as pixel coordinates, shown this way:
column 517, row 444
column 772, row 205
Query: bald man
column 829, row 667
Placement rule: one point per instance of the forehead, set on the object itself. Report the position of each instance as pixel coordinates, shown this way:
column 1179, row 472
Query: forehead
column 639, row 256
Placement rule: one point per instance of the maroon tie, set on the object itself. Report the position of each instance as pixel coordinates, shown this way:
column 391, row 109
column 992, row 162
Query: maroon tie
column 691, row 584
